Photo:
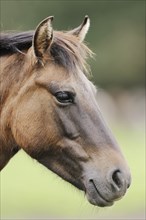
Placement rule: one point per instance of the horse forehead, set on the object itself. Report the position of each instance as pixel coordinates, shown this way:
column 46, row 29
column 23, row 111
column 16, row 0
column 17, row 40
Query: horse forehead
column 83, row 83
column 76, row 79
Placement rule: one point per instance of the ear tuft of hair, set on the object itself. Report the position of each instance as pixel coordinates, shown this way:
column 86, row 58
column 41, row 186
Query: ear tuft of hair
column 43, row 37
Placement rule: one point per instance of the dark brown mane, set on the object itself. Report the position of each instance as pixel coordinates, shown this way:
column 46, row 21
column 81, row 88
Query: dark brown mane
column 66, row 50
column 12, row 42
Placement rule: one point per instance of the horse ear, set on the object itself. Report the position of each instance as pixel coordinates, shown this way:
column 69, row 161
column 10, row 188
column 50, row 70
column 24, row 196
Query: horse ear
column 82, row 30
column 43, row 37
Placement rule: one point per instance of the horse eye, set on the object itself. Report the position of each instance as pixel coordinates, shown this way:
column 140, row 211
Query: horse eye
column 65, row 97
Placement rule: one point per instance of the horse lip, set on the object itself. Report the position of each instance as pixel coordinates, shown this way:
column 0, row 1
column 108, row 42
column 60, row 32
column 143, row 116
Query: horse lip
column 100, row 200
column 99, row 192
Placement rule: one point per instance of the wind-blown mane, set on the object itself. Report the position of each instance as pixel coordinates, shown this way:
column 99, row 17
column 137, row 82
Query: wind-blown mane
column 12, row 42
column 66, row 50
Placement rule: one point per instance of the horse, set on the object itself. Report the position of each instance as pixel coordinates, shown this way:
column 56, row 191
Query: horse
column 49, row 109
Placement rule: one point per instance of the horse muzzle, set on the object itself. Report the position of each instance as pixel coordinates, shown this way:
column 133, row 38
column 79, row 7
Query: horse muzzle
column 104, row 191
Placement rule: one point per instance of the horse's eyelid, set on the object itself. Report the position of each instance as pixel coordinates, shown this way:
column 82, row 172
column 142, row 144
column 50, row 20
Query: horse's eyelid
column 72, row 93
column 52, row 88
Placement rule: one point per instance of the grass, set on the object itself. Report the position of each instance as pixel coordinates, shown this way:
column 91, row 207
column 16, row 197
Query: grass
column 30, row 191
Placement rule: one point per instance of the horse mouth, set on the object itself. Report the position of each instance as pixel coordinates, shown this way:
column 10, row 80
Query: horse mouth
column 95, row 197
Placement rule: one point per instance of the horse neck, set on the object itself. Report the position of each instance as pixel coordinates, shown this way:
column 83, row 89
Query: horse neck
column 12, row 74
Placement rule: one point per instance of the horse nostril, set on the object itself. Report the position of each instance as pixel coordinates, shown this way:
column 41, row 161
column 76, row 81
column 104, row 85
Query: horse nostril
column 120, row 181
column 128, row 185
column 117, row 178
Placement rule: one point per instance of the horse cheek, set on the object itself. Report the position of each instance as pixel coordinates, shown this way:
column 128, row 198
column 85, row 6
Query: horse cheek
column 33, row 126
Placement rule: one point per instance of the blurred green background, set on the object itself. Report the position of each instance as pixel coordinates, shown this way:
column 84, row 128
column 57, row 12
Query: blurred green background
column 117, row 37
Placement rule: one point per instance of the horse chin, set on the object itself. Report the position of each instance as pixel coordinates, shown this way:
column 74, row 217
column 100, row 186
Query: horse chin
column 93, row 195
column 96, row 199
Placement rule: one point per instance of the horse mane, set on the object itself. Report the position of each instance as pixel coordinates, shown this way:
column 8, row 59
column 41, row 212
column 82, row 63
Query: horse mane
column 66, row 50
column 10, row 43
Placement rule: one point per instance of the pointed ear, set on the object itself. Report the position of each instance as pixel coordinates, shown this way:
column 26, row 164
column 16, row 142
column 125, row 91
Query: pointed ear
column 43, row 37
column 82, row 30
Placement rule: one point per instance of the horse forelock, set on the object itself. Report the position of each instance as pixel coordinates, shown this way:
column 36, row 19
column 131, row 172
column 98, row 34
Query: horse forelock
column 69, row 52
